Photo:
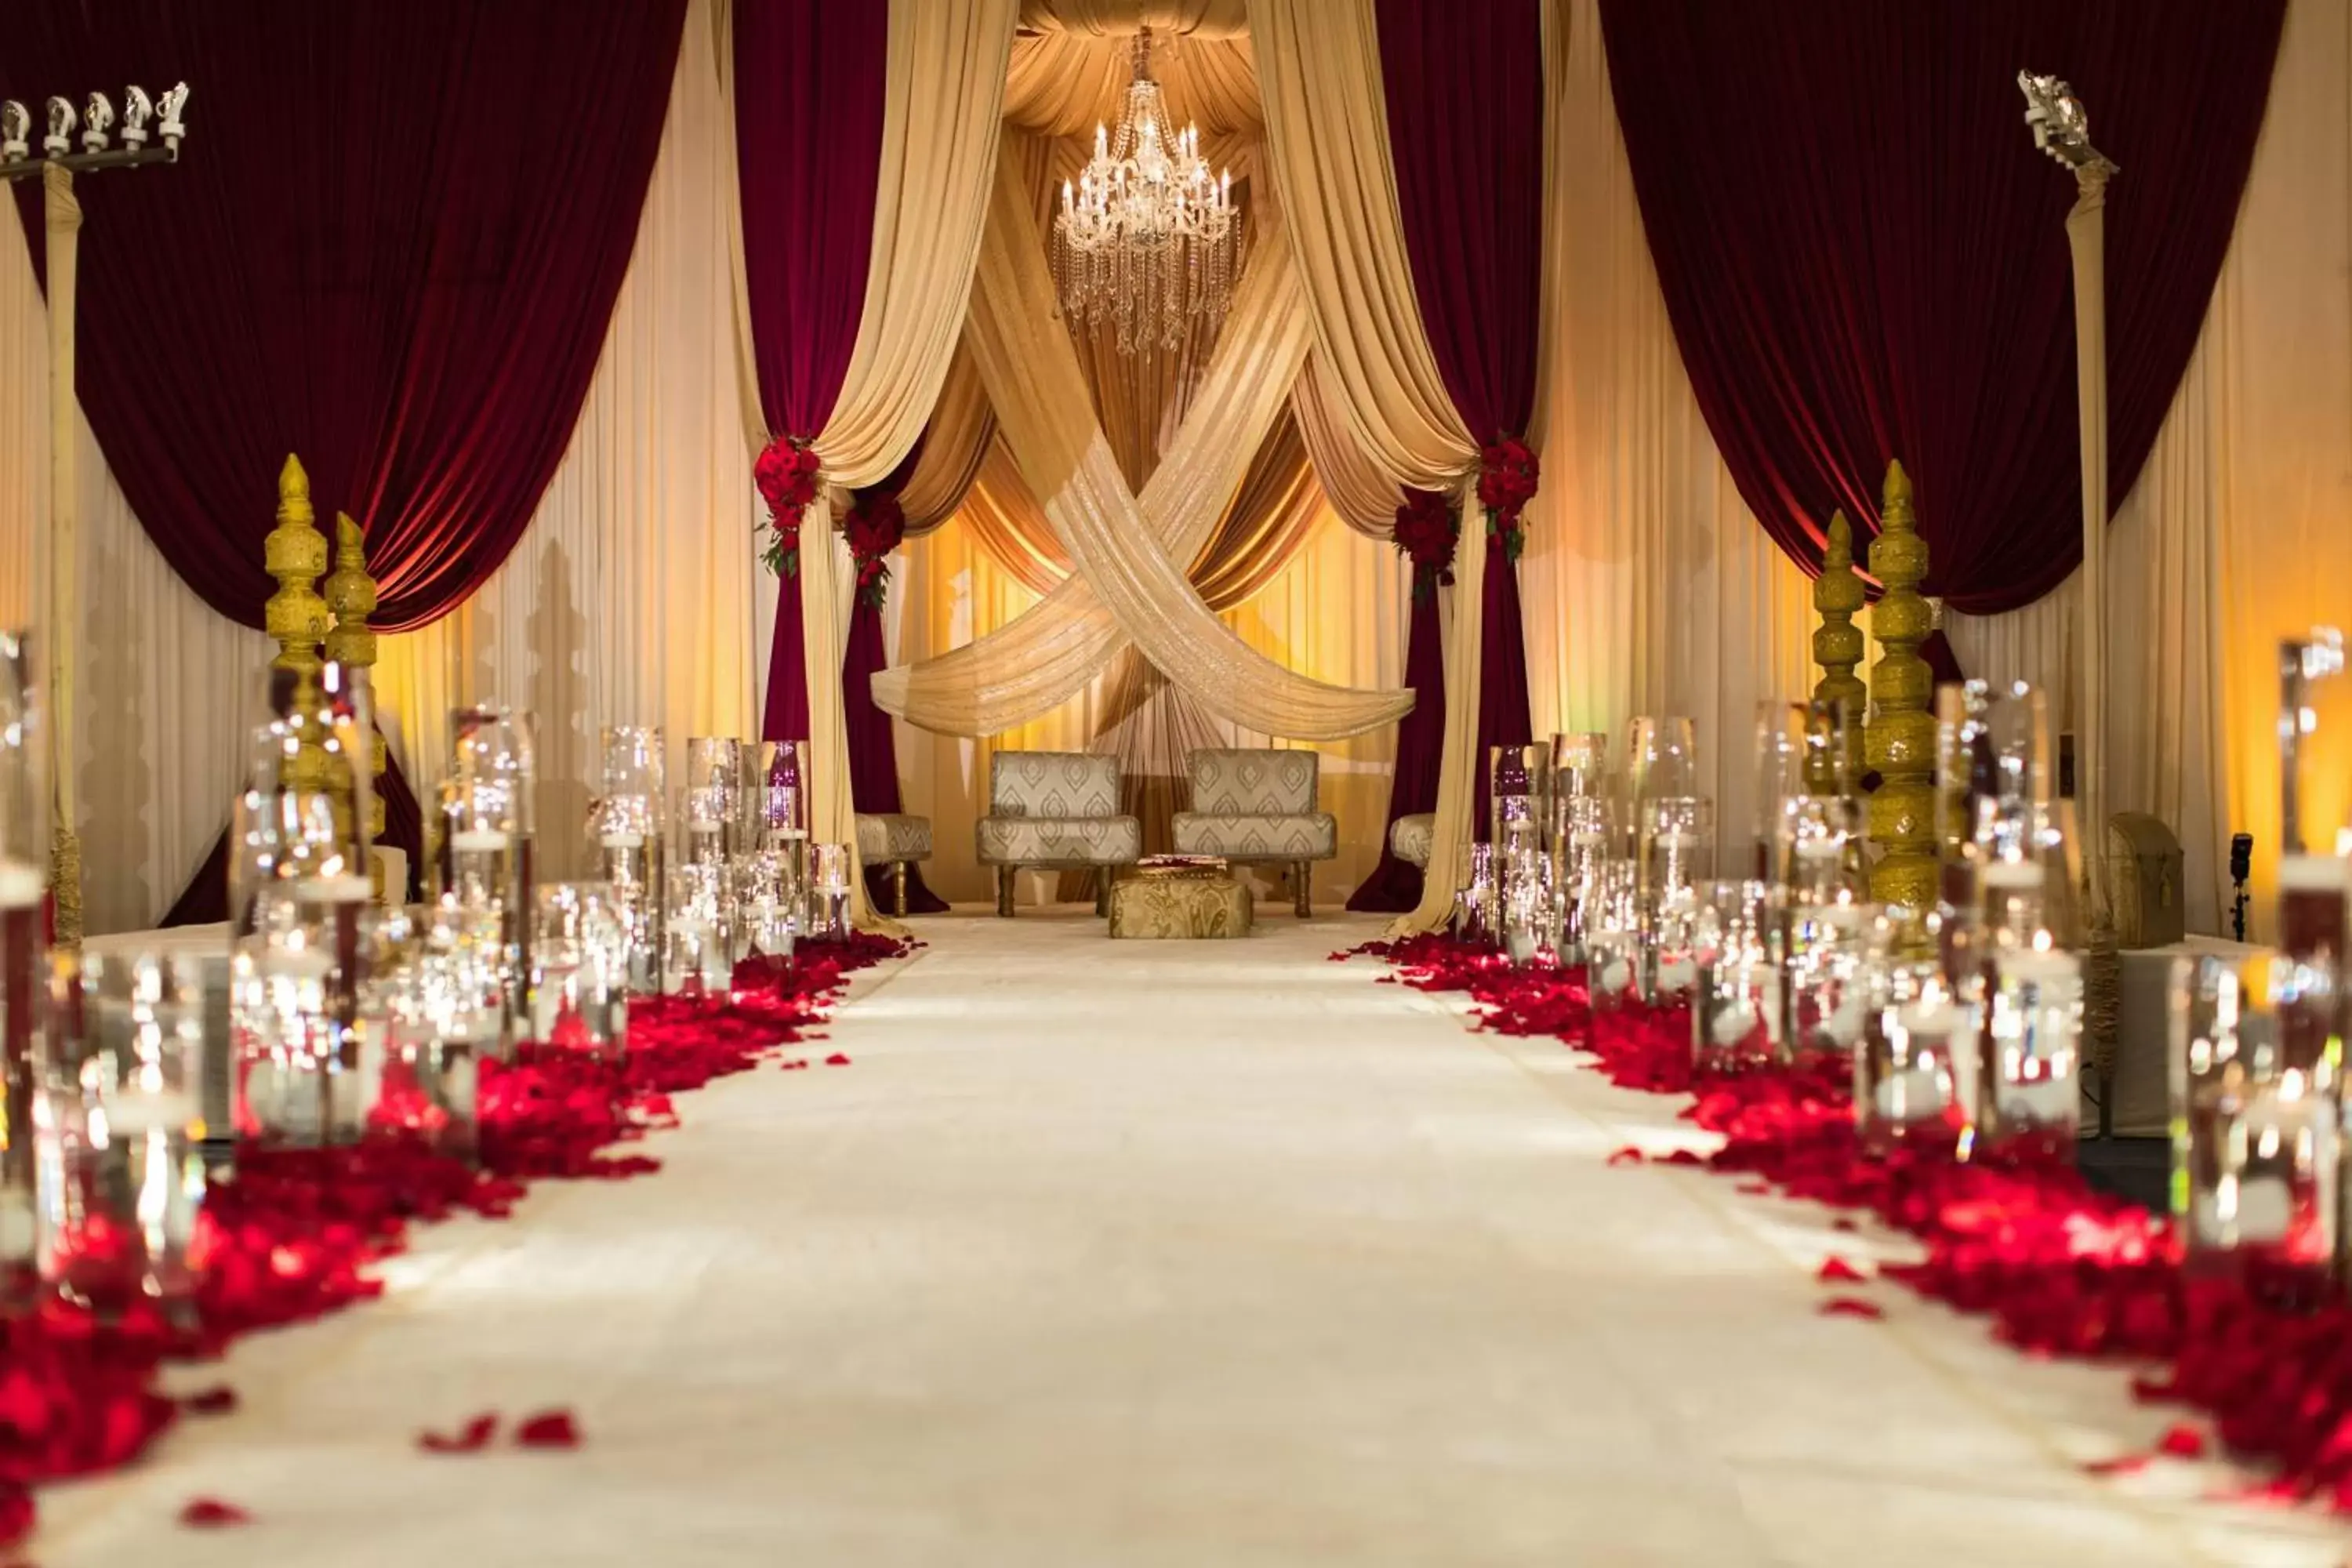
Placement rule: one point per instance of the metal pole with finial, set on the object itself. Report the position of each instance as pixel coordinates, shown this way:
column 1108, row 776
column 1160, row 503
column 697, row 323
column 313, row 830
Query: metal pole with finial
column 143, row 119
column 2062, row 128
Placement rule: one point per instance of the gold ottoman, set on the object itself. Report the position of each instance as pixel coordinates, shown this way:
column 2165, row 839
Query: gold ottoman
column 1179, row 899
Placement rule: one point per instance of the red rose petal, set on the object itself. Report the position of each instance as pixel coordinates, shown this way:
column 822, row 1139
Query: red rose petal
column 550, row 1429
column 472, row 1438
column 1836, row 1270
column 837, row 1060
column 1684, row 1157
column 1628, row 1156
column 1842, row 1223
column 1851, row 1307
column 211, row 1513
column 217, row 1400
column 795, row 1064
column 2181, row 1441
column 2121, row 1465
column 1756, row 1189
column 15, row 1514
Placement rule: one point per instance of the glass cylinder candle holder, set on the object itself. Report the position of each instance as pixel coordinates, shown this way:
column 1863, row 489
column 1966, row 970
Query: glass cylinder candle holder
column 717, row 775
column 1826, row 958
column 24, row 953
column 119, row 1128
column 493, row 789
column 1585, row 838
column 828, row 892
column 2223, row 1060
column 2028, row 1097
column 1671, row 945
column 1909, row 1085
column 698, row 931
column 1525, row 900
column 1615, row 950
column 1736, row 1004
column 581, row 997
column 770, row 904
column 1517, row 787
column 447, row 1008
column 1661, row 759
column 627, row 824
column 1475, row 913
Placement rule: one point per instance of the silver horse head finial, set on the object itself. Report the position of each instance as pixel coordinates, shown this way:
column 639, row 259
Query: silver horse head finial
column 2062, row 126
column 15, row 131
column 62, row 120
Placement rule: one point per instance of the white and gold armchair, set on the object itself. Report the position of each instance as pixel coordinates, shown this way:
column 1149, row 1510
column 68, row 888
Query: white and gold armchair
column 1055, row 809
column 1259, row 807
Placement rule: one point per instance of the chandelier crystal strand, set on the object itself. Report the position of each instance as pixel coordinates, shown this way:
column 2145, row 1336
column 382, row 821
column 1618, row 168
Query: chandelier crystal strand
column 1145, row 238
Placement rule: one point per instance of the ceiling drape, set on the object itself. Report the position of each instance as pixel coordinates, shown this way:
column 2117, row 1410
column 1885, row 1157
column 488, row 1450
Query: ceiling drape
column 1862, row 255
column 392, row 249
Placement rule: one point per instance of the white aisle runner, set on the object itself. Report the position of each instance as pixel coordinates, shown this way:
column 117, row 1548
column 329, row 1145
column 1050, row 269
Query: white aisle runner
column 1202, row 1255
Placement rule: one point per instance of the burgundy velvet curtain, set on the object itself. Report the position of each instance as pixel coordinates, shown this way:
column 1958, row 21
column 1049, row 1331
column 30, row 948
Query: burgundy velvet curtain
column 392, row 248
column 1863, row 255
column 1464, row 84
column 1394, row 884
column 809, row 79
column 873, row 746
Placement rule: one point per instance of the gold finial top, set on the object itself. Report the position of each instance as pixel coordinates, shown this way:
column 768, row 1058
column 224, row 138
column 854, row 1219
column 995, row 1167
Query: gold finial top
column 1898, row 488
column 1837, row 647
column 295, row 553
column 351, row 594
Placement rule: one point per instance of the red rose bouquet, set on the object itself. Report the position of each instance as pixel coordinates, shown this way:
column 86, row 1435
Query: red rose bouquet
column 1426, row 530
column 875, row 527
column 1508, row 472
column 786, row 474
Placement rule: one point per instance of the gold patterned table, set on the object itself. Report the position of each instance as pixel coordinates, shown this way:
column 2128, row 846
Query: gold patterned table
column 1191, row 902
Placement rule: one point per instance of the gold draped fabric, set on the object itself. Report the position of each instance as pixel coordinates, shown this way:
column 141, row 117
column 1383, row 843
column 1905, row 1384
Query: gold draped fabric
column 1124, row 552
column 1113, row 19
column 944, row 97
column 955, row 445
column 1365, row 498
column 1327, row 140
column 1045, row 655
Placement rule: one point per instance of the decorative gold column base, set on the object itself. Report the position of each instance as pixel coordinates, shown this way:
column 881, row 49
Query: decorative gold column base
column 65, row 887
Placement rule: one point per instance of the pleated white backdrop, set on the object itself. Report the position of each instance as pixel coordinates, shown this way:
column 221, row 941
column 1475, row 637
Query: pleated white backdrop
column 634, row 594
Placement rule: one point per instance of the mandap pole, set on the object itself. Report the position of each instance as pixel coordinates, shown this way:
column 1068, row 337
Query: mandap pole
column 2062, row 129
column 64, row 550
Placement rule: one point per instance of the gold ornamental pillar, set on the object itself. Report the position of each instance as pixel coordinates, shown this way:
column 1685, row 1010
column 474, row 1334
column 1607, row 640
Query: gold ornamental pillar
column 351, row 597
column 1837, row 647
column 295, row 553
column 1901, row 743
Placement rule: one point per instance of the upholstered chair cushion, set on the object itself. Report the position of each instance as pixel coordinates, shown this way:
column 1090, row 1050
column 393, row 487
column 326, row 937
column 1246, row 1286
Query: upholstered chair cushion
column 883, row 837
column 1411, row 836
column 1060, row 840
column 1253, row 783
column 1052, row 784
column 1255, row 805
column 1298, row 836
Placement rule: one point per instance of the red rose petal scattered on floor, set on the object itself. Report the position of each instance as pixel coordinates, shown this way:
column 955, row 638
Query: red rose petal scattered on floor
column 1851, row 1307
column 472, row 1438
column 1836, row 1270
column 15, row 1514
column 2121, row 1465
column 550, row 1429
column 837, row 1060
column 1756, row 1189
column 1842, row 1223
column 1628, row 1156
column 796, row 1065
column 2181, row 1441
column 1684, row 1157
column 217, row 1400
column 211, row 1513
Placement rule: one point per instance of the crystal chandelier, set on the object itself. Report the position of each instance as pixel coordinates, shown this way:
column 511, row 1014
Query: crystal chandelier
column 1146, row 235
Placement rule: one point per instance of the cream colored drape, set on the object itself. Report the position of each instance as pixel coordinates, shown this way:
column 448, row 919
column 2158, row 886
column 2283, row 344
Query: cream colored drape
column 1046, row 655
column 1647, row 585
column 1365, row 498
column 1115, row 18
column 1327, row 132
column 944, row 97
column 955, row 443
column 628, row 599
column 1130, row 560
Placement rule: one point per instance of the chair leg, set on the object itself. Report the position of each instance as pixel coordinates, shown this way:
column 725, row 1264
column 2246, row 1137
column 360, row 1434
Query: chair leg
column 1004, row 875
column 1102, row 893
column 899, row 889
column 1302, row 874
